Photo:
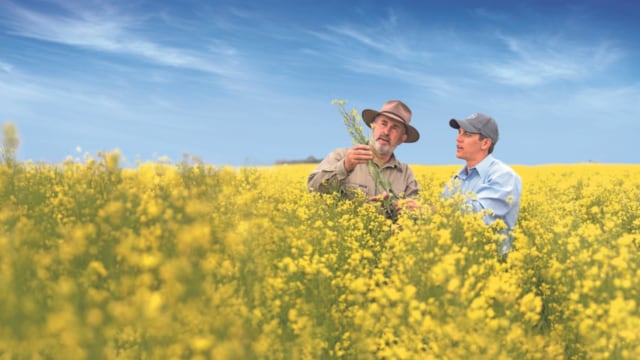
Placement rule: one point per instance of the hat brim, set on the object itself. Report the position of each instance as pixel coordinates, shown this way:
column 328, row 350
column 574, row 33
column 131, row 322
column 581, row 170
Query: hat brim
column 457, row 124
column 368, row 116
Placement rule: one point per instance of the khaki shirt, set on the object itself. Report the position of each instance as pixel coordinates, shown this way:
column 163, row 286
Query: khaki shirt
column 331, row 174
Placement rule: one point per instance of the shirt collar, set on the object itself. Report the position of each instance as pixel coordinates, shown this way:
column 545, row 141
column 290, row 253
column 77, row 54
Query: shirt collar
column 393, row 162
column 482, row 167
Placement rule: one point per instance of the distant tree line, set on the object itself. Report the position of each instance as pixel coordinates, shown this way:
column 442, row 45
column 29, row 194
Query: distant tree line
column 308, row 160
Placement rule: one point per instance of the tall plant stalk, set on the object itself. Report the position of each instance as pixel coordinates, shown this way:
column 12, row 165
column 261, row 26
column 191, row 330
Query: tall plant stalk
column 353, row 122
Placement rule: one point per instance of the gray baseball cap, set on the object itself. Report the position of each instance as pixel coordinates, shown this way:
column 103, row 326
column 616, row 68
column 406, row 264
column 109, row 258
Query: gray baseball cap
column 478, row 123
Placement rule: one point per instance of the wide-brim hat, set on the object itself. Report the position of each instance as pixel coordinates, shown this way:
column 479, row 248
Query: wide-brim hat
column 395, row 110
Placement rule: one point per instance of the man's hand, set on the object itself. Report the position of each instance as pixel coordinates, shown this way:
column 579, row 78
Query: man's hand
column 401, row 205
column 358, row 154
column 382, row 197
column 409, row 204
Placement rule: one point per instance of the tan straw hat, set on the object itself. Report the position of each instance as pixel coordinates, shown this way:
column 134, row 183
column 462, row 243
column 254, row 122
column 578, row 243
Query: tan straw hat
column 395, row 110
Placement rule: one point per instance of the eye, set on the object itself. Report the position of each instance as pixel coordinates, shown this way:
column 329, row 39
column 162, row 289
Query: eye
column 467, row 134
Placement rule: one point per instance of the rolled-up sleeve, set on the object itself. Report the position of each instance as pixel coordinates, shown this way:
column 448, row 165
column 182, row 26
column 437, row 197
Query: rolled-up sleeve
column 331, row 170
column 412, row 188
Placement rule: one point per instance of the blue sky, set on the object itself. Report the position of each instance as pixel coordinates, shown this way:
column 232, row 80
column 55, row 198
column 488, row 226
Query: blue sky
column 251, row 82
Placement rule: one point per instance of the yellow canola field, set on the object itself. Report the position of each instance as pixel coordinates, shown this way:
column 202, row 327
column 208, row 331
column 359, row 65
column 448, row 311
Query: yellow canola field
column 191, row 261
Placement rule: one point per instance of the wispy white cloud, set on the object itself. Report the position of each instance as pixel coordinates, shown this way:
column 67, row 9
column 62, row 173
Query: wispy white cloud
column 21, row 90
column 433, row 84
column 16, row 87
column 390, row 52
column 389, row 43
column 450, row 59
column 532, row 62
column 5, row 67
column 111, row 32
column 607, row 107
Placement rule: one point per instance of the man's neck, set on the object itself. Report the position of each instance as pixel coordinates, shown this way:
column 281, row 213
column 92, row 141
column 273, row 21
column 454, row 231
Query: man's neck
column 474, row 162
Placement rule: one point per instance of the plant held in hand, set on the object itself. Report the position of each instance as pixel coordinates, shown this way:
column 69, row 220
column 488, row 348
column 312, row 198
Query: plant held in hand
column 388, row 198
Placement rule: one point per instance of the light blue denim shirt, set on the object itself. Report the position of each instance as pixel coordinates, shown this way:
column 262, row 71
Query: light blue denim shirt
column 493, row 185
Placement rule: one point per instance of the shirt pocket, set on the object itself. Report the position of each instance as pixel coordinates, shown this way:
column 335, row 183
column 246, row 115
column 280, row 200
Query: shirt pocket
column 353, row 185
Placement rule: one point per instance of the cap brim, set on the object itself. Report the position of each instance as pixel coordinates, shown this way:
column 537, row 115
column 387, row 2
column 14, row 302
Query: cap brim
column 457, row 124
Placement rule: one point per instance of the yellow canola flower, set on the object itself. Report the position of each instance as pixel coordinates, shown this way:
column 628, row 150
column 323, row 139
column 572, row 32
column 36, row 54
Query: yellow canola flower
column 620, row 310
column 454, row 284
column 113, row 212
column 150, row 261
column 628, row 240
column 153, row 304
column 94, row 317
column 478, row 309
column 196, row 236
column 201, row 343
column 531, row 306
column 98, row 267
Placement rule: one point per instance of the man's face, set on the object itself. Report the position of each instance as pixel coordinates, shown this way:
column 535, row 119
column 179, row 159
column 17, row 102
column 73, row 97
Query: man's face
column 470, row 147
column 387, row 134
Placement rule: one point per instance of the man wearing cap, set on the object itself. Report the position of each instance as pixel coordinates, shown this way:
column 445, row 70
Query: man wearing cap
column 348, row 168
column 487, row 183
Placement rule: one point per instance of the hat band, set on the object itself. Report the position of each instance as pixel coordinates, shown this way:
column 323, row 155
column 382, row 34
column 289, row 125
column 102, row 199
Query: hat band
column 400, row 118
